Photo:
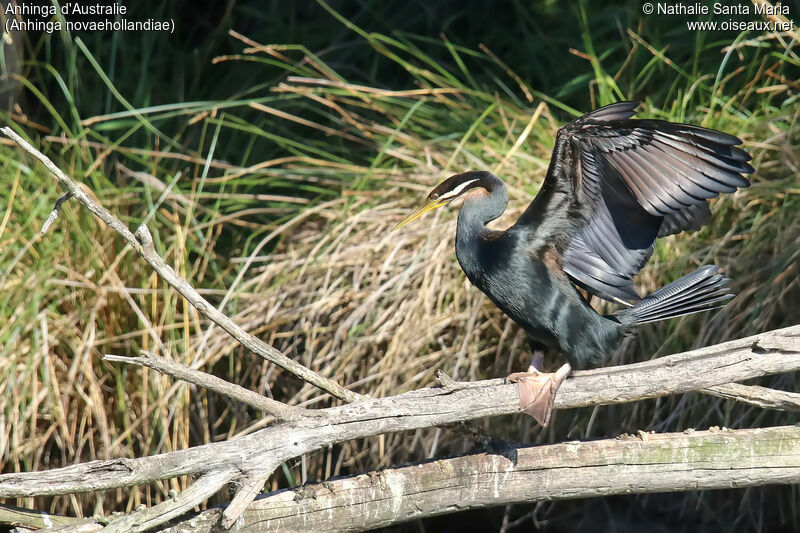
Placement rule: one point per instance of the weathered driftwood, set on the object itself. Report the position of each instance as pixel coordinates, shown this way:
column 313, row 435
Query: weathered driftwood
column 759, row 396
column 262, row 451
column 213, row 383
column 11, row 516
column 150, row 517
column 713, row 459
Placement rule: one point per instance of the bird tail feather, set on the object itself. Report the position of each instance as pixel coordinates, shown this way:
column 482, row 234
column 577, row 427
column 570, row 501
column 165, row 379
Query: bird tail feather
column 701, row 290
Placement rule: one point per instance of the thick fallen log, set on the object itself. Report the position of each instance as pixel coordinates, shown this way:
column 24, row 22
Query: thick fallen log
column 700, row 460
column 261, row 452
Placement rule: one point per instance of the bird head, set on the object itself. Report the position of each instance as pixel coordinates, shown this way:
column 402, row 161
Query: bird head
column 450, row 189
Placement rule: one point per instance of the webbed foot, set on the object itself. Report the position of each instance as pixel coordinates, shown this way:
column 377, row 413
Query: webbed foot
column 537, row 390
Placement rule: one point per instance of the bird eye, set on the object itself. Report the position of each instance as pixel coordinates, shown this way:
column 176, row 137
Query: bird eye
column 433, row 196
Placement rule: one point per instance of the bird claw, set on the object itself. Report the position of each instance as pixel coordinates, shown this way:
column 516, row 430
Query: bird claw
column 537, row 393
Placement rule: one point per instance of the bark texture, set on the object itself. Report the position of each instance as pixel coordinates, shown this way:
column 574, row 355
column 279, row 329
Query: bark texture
column 714, row 459
column 261, row 452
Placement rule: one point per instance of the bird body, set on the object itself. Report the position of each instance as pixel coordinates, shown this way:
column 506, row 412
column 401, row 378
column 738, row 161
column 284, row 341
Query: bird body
column 519, row 269
column 614, row 185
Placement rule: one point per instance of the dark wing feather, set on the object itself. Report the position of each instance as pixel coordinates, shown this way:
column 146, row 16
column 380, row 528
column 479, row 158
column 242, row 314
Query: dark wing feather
column 667, row 166
column 689, row 219
column 616, row 240
column 635, row 181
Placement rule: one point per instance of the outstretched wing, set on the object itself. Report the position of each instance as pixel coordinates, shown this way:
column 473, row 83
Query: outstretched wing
column 636, row 180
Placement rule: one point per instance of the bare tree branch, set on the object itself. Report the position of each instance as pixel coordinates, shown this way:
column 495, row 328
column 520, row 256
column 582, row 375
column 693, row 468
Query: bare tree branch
column 246, row 493
column 667, row 462
column 260, row 452
column 150, row 517
column 692, row 460
column 763, row 397
column 142, row 242
column 17, row 516
column 184, row 373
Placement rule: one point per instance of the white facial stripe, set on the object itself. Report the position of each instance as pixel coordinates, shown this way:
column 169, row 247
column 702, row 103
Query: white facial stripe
column 458, row 190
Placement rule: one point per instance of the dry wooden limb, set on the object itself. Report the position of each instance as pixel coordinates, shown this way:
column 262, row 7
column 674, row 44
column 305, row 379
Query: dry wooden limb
column 86, row 527
column 142, row 242
column 260, row 452
column 630, row 465
column 177, row 370
column 759, row 396
column 16, row 516
column 249, row 489
column 149, row 517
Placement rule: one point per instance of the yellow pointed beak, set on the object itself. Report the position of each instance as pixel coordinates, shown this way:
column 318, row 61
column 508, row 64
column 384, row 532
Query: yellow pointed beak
column 429, row 205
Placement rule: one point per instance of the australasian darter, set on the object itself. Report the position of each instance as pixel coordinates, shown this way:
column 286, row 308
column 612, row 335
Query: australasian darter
column 614, row 185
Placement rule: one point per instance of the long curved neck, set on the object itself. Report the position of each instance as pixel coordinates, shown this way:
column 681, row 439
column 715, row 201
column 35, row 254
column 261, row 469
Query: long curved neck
column 471, row 234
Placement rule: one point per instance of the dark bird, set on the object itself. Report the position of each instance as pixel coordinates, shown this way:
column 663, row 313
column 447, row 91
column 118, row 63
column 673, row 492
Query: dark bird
column 614, row 185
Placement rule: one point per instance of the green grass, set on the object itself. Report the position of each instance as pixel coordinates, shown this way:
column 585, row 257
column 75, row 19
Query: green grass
column 269, row 178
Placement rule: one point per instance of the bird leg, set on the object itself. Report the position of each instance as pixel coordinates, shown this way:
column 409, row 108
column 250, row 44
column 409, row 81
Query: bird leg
column 537, row 362
column 537, row 389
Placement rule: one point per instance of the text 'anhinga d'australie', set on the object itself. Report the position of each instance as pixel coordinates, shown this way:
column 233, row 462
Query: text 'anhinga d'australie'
column 614, row 185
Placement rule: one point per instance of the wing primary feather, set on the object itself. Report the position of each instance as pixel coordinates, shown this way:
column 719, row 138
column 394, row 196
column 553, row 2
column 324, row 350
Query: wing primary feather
column 616, row 111
column 635, row 181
